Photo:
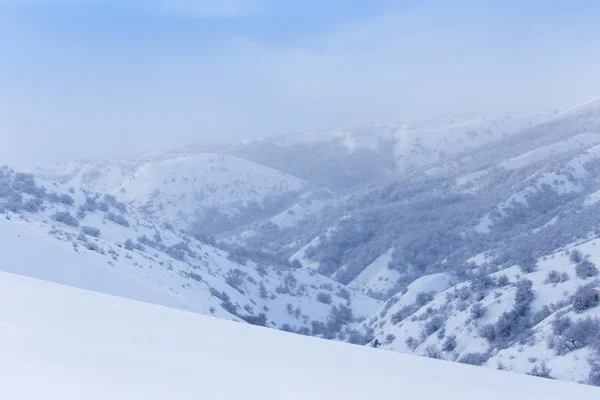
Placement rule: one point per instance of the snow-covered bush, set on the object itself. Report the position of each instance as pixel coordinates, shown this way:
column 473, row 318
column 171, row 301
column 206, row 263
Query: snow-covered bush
column 585, row 269
column 235, row 279
column 66, row 218
column 117, row 219
column 577, row 335
column 449, row 344
column 90, row 231
column 541, row 371
column 432, row 326
column 324, row 298
column 555, row 277
column 477, row 311
column 474, row 358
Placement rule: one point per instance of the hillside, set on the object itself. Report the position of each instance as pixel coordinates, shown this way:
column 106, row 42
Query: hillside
column 206, row 192
column 468, row 238
column 98, row 243
column 74, row 344
column 362, row 154
column 541, row 322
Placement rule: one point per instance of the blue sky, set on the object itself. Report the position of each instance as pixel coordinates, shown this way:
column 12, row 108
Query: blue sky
column 94, row 78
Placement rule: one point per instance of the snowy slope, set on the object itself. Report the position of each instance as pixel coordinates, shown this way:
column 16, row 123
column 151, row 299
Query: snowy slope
column 101, row 244
column 73, row 344
column 365, row 277
column 418, row 143
column 448, row 322
column 424, row 143
column 180, row 188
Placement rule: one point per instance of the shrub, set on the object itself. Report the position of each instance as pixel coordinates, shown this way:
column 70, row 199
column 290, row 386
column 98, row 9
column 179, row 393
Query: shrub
column 117, row 219
column 433, row 325
column 424, row 298
column 355, row 337
column 66, row 218
column 94, row 247
column 555, row 277
column 488, row 332
column 262, row 291
column 474, row 358
column 324, row 298
column 524, row 296
column 582, row 299
column 339, row 316
column 66, row 199
column 388, row 304
column 33, row 205
column 503, row 280
column 528, row 265
column 194, row 276
column 344, row 293
column 560, row 325
column 411, row 342
column 90, row 231
column 449, row 344
column 317, row 328
column 128, row 245
column 585, row 269
column 576, row 256
column 541, row 371
column 478, row 311
column 540, row 315
column 594, row 375
column 401, row 314
column 432, row 351
column 304, row 330
column 259, row 320
column 112, row 200
column 585, row 332
column 235, row 279
column 89, row 205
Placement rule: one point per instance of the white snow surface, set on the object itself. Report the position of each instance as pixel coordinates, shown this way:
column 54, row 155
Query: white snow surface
column 376, row 266
column 65, row 343
column 583, row 140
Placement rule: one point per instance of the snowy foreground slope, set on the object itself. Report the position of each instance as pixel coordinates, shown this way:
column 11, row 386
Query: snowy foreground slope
column 63, row 343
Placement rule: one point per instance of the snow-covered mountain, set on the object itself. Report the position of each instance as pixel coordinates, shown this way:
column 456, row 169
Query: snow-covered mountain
column 468, row 238
column 358, row 155
column 479, row 254
column 205, row 191
column 65, row 343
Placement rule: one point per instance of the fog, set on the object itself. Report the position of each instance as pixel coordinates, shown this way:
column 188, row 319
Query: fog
column 95, row 79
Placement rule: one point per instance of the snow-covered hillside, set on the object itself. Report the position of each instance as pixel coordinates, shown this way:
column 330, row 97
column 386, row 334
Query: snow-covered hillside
column 545, row 322
column 184, row 189
column 381, row 149
column 99, row 243
column 64, row 343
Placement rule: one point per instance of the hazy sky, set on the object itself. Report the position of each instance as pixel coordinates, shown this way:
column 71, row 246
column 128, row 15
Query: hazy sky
column 92, row 78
